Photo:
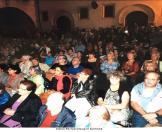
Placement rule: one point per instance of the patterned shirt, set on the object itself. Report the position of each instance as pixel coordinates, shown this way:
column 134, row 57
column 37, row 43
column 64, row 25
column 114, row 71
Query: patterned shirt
column 107, row 67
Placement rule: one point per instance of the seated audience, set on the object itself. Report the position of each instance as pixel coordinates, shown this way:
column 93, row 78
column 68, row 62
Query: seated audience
column 61, row 60
column 25, row 65
column 36, row 77
column 14, row 78
column 83, row 94
column 117, row 99
column 22, row 109
column 4, row 97
column 75, row 68
column 43, row 67
column 60, row 81
column 55, row 114
column 3, row 74
column 49, row 58
column 110, row 64
column 84, row 86
column 93, row 63
column 99, row 117
column 146, row 98
column 131, row 68
column 148, row 66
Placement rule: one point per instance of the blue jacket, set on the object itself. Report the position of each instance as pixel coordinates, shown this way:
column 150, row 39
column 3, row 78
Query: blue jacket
column 66, row 117
column 4, row 98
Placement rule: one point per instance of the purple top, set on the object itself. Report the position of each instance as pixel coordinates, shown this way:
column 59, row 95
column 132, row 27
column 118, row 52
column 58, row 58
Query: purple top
column 10, row 122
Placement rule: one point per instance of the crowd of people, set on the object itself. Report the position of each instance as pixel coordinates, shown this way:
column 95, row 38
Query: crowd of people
column 88, row 78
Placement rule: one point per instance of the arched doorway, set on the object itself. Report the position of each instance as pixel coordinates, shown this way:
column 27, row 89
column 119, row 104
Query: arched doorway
column 15, row 23
column 136, row 17
column 64, row 24
column 133, row 10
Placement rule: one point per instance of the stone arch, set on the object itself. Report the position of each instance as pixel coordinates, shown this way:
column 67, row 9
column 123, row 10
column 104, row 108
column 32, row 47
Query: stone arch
column 121, row 16
column 138, row 17
column 16, row 22
column 63, row 15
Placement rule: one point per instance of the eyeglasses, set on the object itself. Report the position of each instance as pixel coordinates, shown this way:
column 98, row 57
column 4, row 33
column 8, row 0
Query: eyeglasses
column 61, row 58
column 22, row 89
column 151, row 79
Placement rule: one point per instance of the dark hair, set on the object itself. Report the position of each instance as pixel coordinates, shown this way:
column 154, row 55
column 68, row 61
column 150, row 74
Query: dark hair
column 35, row 58
column 15, row 67
column 123, row 86
column 4, row 67
column 64, row 57
column 2, row 87
column 36, row 69
column 92, row 53
column 62, row 67
column 30, row 86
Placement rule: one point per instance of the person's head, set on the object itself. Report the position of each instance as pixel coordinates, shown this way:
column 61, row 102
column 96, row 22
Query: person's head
column 61, row 52
column 14, row 69
column 70, row 51
column 131, row 55
column 149, row 66
column 116, row 54
column 85, row 74
column 2, row 87
column 153, row 49
column 35, row 70
column 110, row 55
column 79, row 54
column 49, row 53
column 155, row 55
column 25, row 58
column 75, row 61
column 26, row 87
column 62, row 60
column 35, row 61
column 3, row 67
column 58, row 69
column 91, row 55
column 98, row 116
column 115, row 77
column 55, row 102
column 110, row 45
column 151, row 79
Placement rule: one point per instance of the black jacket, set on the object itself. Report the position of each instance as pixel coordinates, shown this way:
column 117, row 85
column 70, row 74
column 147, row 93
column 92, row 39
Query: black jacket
column 27, row 111
column 88, row 91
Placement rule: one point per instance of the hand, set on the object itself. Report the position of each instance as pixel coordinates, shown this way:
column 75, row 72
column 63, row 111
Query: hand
column 150, row 116
column 9, row 111
column 153, row 122
column 100, row 101
column 72, row 95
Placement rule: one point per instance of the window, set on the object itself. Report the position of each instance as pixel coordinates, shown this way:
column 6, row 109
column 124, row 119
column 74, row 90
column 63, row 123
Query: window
column 45, row 16
column 109, row 11
column 84, row 13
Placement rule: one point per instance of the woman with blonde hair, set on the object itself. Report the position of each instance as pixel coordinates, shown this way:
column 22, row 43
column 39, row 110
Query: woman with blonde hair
column 110, row 64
